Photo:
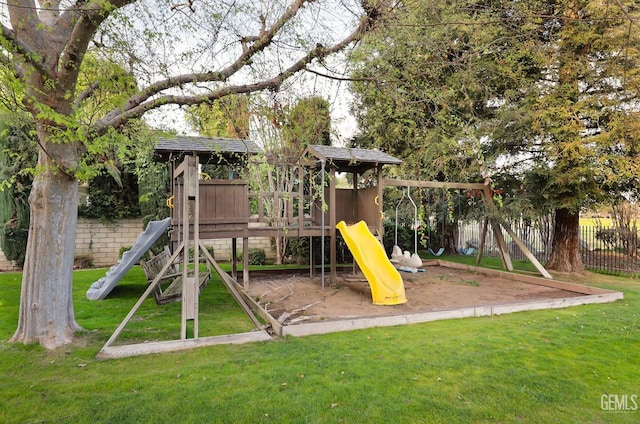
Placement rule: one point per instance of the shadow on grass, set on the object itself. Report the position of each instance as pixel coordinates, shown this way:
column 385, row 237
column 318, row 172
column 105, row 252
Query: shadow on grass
column 127, row 291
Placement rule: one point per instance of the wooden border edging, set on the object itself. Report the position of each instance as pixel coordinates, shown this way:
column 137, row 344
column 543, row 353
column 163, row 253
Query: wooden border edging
column 572, row 287
column 324, row 327
column 113, row 352
column 592, row 295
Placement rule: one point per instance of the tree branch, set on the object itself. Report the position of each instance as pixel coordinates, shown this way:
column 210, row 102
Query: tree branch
column 85, row 20
column 142, row 102
column 337, row 78
column 17, row 46
column 86, row 94
column 626, row 12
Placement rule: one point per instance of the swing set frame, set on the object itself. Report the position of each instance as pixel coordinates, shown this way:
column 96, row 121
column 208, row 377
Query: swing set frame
column 497, row 226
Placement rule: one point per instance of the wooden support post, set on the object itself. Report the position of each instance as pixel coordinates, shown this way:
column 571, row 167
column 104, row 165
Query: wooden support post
column 312, row 259
column 332, row 225
column 527, row 252
column 483, row 238
column 190, row 201
column 234, row 258
column 301, row 177
column 355, row 211
column 150, row 288
column 497, row 231
column 185, row 239
column 245, row 263
column 502, row 245
column 379, row 182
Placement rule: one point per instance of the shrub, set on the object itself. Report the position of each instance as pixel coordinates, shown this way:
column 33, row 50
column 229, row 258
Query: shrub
column 122, row 250
column 298, row 248
column 209, row 249
column 144, row 257
column 83, row 262
column 405, row 237
column 257, row 256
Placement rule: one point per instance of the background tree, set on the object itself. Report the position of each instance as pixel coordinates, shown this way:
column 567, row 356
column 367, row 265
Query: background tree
column 421, row 87
column 43, row 47
column 549, row 88
column 18, row 148
column 308, row 121
column 227, row 117
column 284, row 131
column 567, row 134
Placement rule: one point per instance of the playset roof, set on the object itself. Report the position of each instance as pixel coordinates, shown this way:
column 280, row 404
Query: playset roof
column 347, row 159
column 225, row 150
column 209, row 150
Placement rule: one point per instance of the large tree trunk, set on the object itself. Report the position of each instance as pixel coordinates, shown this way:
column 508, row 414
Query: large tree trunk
column 46, row 306
column 565, row 249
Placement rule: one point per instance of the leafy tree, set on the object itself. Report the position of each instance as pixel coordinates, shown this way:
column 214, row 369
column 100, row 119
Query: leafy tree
column 569, row 132
column 284, row 130
column 421, row 88
column 18, row 147
column 227, row 117
column 251, row 47
column 308, row 122
column 545, row 93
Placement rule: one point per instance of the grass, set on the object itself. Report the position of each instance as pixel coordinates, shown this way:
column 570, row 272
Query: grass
column 533, row 367
column 604, row 222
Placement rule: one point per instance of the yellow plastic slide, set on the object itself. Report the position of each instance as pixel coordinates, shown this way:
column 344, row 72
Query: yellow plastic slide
column 384, row 279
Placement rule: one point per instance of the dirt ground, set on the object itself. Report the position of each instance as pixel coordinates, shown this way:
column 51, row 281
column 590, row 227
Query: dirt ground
column 294, row 298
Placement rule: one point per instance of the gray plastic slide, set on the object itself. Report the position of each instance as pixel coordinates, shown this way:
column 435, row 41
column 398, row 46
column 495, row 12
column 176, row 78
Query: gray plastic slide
column 101, row 288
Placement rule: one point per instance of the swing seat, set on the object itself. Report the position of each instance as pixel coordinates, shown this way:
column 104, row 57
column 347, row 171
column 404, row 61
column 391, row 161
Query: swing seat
column 169, row 289
column 467, row 251
column 438, row 253
column 396, row 254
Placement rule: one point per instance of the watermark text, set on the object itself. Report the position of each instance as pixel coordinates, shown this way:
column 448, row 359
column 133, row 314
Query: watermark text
column 619, row 403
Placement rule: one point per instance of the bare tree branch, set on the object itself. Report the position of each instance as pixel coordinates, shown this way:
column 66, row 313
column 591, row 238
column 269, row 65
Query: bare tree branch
column 85, row 20
column 144, row 101
column 338, row 78
column 86, row 94
column 626, row 12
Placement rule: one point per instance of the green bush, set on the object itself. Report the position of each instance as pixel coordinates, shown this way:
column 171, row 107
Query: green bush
column 144, row 257
column 83, row 262
column 209, row 249
column 257, row 256
column 405, row 238
column 299, row 249
column 110, row 200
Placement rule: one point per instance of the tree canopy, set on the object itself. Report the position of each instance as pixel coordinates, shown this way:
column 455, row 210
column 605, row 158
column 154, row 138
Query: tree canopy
column 539, row 96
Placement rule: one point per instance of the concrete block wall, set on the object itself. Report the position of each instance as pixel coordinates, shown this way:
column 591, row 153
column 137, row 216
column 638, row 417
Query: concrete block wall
column 222, row 247
column 6, row 265
column 103, row 241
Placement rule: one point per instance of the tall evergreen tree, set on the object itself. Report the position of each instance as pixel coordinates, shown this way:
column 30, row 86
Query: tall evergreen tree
column 545, row 91
column 569, row 135
column 18, row 146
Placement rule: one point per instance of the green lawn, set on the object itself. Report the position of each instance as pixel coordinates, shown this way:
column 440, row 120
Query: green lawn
column 550, row 366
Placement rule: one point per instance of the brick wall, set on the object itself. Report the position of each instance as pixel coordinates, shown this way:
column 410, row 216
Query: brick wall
column 222, row 247
column 6, row 265
column 103, row 242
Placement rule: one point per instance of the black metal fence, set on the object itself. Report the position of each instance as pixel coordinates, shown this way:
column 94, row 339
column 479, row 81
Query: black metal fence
column 603, row 249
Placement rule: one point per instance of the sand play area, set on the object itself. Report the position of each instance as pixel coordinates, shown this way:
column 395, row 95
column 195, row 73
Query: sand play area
column 295, row 298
